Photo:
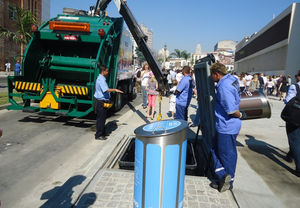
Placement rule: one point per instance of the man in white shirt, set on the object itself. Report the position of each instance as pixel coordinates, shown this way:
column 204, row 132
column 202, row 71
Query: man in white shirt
column 179, row 76
column 248, row 79
column 173, row 74
column 7, row 67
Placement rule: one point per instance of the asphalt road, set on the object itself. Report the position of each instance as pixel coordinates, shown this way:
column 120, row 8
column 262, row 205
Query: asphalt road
column 36, row 150
column 3, row 84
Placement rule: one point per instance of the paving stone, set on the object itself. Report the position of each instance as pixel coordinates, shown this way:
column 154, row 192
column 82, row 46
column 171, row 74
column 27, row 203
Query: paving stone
column 204, row 205
column 115, row 188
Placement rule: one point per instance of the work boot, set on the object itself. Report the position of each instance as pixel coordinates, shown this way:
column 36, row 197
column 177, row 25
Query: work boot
column 224, row 184
column 214, row 185
column 289, row 157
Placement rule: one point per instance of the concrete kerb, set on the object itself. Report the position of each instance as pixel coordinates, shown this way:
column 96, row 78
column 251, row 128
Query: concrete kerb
column 97, row 160
column 2, row 107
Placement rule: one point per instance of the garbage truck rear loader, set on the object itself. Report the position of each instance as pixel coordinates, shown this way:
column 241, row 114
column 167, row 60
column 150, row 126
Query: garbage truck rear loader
column 62, row 62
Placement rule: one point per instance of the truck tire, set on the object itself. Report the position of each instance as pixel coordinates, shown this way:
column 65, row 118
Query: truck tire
column 132, row 92
column 117, row 102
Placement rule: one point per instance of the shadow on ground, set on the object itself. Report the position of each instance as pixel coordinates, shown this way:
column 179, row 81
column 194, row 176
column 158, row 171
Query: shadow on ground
column 268, row 150
column 61, row 196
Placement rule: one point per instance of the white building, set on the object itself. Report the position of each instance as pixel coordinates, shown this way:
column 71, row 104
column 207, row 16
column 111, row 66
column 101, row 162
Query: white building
column 198, row 53
column 176, row 63
column 225, row 45
column 148, row 33
column 275, row 48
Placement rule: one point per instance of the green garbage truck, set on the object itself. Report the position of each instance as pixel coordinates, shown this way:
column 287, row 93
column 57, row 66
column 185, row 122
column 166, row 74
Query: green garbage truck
column 62, row 61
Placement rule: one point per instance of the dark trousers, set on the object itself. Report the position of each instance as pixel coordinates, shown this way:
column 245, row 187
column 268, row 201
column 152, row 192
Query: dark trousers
column 101, row 118
column 293, row 134
column 181, row 112
column 224, row 155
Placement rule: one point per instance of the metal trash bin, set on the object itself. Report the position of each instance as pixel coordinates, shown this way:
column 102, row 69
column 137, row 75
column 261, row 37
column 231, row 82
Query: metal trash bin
column 160, row 157
column 255, row 105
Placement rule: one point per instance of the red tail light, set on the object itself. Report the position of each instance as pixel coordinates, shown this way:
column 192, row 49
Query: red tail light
column 101, row 32
column 34, row 28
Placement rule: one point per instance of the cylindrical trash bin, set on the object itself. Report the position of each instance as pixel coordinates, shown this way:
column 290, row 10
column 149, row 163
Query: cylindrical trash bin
column 255, row 105
column 160, row 157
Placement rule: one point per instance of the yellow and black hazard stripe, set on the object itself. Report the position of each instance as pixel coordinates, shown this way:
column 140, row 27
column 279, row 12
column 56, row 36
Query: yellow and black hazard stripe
column 73, row 90
column 29, row 86
column 65, row 89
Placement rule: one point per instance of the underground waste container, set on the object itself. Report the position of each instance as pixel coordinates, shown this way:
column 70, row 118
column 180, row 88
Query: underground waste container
column 160, row 157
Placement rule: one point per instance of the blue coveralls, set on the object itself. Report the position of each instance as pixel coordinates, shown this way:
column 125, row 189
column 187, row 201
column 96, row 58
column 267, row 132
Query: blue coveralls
column 183, row 97
column 224, row 153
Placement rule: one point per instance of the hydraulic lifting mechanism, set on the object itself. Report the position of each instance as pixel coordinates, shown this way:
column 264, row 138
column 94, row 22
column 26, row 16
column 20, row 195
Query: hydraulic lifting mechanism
column 141, row 39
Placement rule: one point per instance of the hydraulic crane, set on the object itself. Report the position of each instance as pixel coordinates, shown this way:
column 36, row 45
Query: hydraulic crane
column 141, row 39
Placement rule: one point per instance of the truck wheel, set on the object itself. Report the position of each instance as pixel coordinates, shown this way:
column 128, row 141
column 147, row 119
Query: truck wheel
column 117, row 102
column 132, row 92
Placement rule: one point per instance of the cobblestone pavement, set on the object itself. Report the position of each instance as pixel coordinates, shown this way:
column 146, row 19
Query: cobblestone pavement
column 114, row 188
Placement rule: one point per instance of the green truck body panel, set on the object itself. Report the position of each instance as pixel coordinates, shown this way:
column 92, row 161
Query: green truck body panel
column 72, row 65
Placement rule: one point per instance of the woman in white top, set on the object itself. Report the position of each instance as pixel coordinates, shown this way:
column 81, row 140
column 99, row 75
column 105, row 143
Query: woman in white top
column 270, row 86
column 145, row 77
column 242, row 82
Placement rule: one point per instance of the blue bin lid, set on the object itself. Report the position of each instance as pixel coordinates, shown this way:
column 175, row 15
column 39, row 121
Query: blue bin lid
column 162, row 128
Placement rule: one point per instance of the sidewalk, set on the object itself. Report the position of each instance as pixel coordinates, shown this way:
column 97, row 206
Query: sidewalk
column 114, row 187
column 5, row 74
column 105, row 187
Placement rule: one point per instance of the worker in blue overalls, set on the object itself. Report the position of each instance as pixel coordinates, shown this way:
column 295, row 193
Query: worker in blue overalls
column 228, row 125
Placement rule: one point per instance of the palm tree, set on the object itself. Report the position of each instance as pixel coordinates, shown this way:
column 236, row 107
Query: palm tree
column 24, row 19
column 176, row 53
column 185, row 55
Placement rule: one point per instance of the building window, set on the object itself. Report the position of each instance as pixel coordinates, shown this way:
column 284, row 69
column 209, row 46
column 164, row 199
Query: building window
column 11, row 13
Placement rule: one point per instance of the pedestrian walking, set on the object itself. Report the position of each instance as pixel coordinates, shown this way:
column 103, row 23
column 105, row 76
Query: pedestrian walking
column 184, row 93
column 242, row 82
column 262, row 83
column 179, row 75
column 17, row 68
column 172, row 99
column 228, row 125
column 7, row 66
column 169, row 78
column 283, row 87
column 289, row 79
column 292, row 129
column 151, row 88
column 248, row 79
column 278, row 81
column 138, row 73
column 254, row 84
column 145, row 78
column 102, row 96
column 270, row 86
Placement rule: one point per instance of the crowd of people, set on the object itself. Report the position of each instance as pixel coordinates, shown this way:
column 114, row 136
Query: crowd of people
column 269, row 85
column 181, row 84
column 228, row 123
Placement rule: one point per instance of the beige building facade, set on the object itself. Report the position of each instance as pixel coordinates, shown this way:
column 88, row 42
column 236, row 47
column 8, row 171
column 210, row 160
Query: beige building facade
column 8, row 48
column 275, row 48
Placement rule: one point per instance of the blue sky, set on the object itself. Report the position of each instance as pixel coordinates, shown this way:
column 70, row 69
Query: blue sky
column 183, row 24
